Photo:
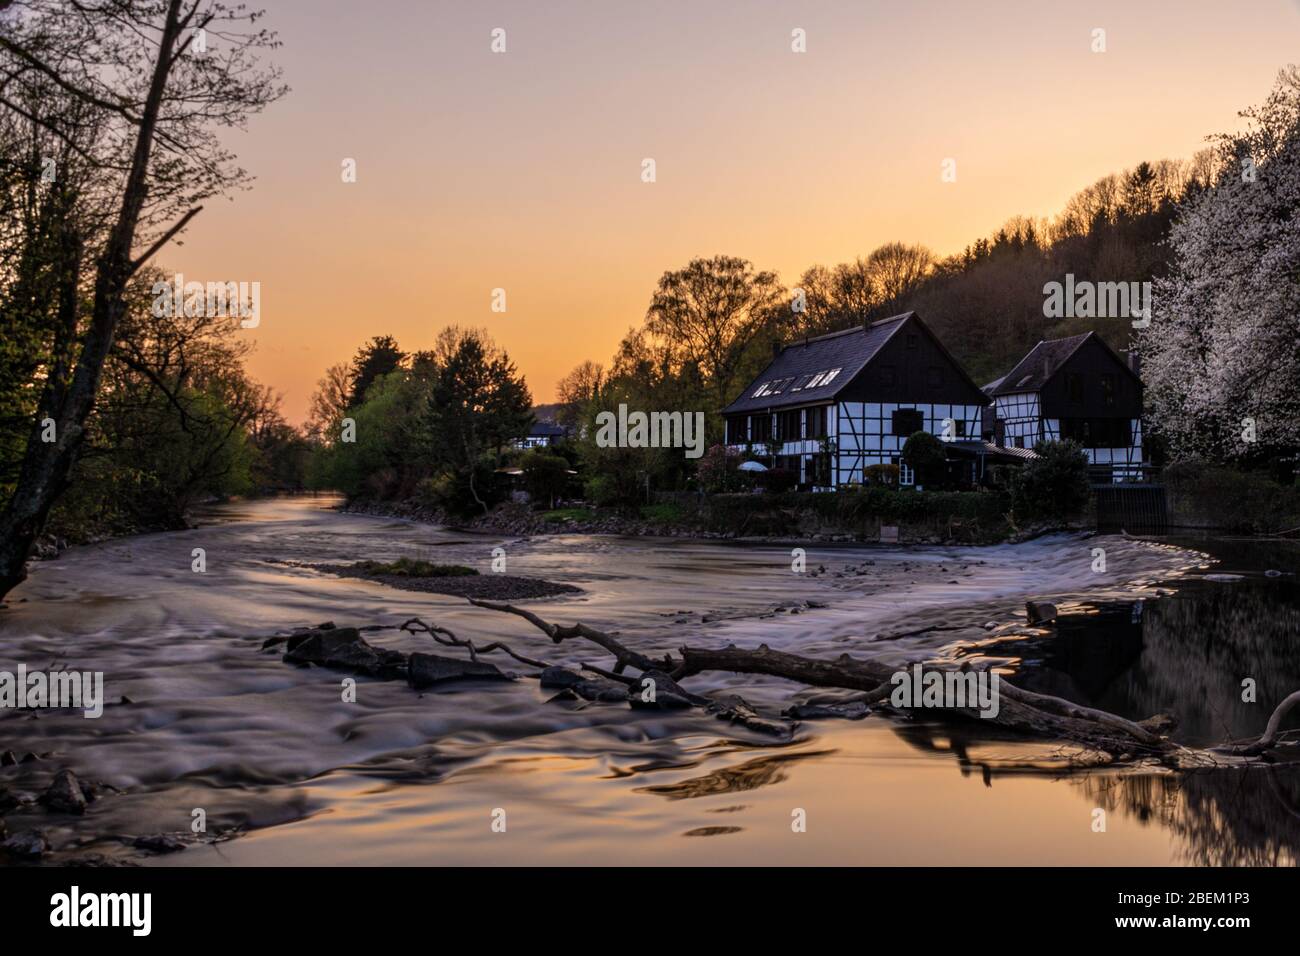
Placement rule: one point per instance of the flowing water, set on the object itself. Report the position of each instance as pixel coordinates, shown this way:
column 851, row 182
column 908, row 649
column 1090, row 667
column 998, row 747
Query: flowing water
column 200, row 717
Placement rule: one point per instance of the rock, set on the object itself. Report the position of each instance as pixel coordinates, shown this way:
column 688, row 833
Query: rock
column 8, row 758
column 738, row 711
column 425, row 670
column 28, row 845
column 560, row 677
column 8, row 801
column 853, row 710
column 1040, row 612
column 29, row 757
column 159, row 843
column 64, row 794
column 344, row 648
column 600, row 689
column 668, row 695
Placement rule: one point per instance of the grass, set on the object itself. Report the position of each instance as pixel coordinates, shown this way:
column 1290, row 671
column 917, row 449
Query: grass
column 568, row 514
column 661, row 514
column 409, row 568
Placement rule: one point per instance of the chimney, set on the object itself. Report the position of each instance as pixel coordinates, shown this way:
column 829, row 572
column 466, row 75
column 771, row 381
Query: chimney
column 1134, row 362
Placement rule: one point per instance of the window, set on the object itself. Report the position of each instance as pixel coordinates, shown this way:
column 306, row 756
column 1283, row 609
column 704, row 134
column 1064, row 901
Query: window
column 906, row 476
column 907, row 422
column 760, row 427
column 1108, row 389
column 815, row 380
column 934, row 376
column 830, row 376
column 802, row 383
column 1074, row 388
column 788, row 425
column 761, row 390
column 959, row 427
column 817, row 422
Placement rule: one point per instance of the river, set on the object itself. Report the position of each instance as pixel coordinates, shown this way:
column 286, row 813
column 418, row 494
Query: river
column 201, row 718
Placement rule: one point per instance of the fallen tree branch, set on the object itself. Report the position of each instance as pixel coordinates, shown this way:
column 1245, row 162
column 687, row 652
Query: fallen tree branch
column 1022, row 710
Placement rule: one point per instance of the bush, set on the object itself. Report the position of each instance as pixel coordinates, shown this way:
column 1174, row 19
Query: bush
column 718, row 470
column 886, row 475
column 777, row 480
column 1054, row 486
column 924, row 454
column 545, row 476
column 414, row 568
column 601, row 491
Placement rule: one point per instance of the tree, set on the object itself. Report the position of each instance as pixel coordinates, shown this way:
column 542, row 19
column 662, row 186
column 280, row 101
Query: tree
column 141, row 153
column 898, row 269
column 710, row 313
column 576, row 390
column 329, row 403
column 924, row 454
column 378, row 357
column 1220, row 358
column 479, row 405
column 1053, row 486
column 546, row 475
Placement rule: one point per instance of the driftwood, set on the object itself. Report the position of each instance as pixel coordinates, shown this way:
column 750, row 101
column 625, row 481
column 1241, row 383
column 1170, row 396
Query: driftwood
column 1020, row 710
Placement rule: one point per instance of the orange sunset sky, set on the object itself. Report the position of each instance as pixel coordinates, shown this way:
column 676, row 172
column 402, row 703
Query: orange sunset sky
column 522, row 170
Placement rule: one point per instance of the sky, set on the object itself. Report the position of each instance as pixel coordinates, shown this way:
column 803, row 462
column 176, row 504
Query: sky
column 522, row 170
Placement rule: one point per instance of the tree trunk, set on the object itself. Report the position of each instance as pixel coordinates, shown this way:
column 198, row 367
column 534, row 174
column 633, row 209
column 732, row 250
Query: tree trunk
column 47, row 465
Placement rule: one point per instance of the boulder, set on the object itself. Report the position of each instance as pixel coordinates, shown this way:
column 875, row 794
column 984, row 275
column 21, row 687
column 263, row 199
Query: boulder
column 27, row 844
column 8, row 758
column 1040, row 612
column 667, row 693
column 559, row 677
column 64, row 794
column 159, row 843
column 853, row 710
column 426, row 670
column 343, row 648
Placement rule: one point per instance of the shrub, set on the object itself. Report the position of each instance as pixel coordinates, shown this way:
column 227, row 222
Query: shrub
column 545, row 476
column 414, row 568
column 718, row 470
column 777, row 480
column 1054, row 486
column 886, row 475
column 601, row 491
column 924, row 454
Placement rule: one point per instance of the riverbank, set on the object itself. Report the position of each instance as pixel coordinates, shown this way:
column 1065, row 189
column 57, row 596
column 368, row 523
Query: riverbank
column 904, row 518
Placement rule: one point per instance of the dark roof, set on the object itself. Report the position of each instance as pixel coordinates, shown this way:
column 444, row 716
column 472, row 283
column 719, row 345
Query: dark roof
column 546, row 430
column 1045, row 359
column 1035, row 369
column 849, row 351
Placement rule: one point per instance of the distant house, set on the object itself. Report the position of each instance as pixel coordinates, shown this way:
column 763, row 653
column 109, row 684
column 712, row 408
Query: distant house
column 836, row 404
column 542, row 435
column 1077, row 388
